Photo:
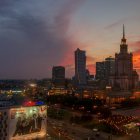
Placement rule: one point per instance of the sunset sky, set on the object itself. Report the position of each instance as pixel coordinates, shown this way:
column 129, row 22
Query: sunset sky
column 38, row 34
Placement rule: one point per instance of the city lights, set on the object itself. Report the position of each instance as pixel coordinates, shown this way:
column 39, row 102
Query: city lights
column 70, row 70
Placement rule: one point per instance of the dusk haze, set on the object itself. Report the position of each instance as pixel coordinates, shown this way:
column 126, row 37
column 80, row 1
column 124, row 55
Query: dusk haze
column 69, row 69
column 37, row 35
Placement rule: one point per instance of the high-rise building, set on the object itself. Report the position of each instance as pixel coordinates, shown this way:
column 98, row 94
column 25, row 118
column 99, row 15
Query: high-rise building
column 100, row 70
column 105, row 68
column 103, row 71
column 80, row 67
column 125, row 77
column 109, row 67
column 58, row 76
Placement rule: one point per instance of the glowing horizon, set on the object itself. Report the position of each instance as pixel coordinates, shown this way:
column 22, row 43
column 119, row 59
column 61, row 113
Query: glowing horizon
column 37, row 35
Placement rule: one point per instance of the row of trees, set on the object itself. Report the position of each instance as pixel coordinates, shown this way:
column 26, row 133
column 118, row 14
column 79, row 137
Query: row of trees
column 84, row 105
column 72, row 101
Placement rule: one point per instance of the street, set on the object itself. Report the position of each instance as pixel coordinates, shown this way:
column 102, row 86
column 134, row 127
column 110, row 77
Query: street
column 62, row 130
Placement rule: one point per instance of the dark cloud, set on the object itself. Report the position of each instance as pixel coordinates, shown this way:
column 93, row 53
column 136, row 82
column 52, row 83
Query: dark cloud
column 117, row 23
column 32, row 42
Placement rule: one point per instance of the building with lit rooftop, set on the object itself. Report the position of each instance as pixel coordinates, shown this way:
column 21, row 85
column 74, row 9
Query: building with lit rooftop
column 24, row 121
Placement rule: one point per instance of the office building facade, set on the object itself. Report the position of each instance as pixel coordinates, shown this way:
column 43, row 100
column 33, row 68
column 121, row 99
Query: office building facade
column 109, row 67
column 58, row 76
column 105, row 68
column 100, row 70
column 80, row 67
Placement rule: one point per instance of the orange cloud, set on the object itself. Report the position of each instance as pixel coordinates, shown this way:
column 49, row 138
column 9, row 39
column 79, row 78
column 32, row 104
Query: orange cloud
column 91, row 68
column 90, row 59
column 135, row 44
column 91, row 64
column 136, row 59
column 136, row 54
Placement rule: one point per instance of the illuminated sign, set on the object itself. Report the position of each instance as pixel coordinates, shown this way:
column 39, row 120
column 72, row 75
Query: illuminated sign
column 39, row 103
column 31, row 103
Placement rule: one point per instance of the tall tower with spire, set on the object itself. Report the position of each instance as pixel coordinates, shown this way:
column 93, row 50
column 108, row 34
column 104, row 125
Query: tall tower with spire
column 124, row 78
column 123, row 39
column 123, row 46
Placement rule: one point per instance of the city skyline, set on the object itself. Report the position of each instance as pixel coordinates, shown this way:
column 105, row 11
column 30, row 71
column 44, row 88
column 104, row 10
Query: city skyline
column 36, row 36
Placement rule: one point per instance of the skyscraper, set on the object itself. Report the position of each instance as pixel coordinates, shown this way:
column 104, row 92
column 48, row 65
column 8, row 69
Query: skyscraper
column 58, row 75
column 109, row 67
column 125, row 77
column 100, row 70
column 105, row 68
column 80, row 67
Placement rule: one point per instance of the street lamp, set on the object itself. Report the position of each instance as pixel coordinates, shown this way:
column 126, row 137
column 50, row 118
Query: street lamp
column 33, row 85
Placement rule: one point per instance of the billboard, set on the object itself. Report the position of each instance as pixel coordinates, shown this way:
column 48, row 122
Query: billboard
column 28, row 123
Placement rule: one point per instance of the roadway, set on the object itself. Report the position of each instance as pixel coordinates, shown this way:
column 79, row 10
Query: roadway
column 128, row 112
column 65, row 131
column 60, row 130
